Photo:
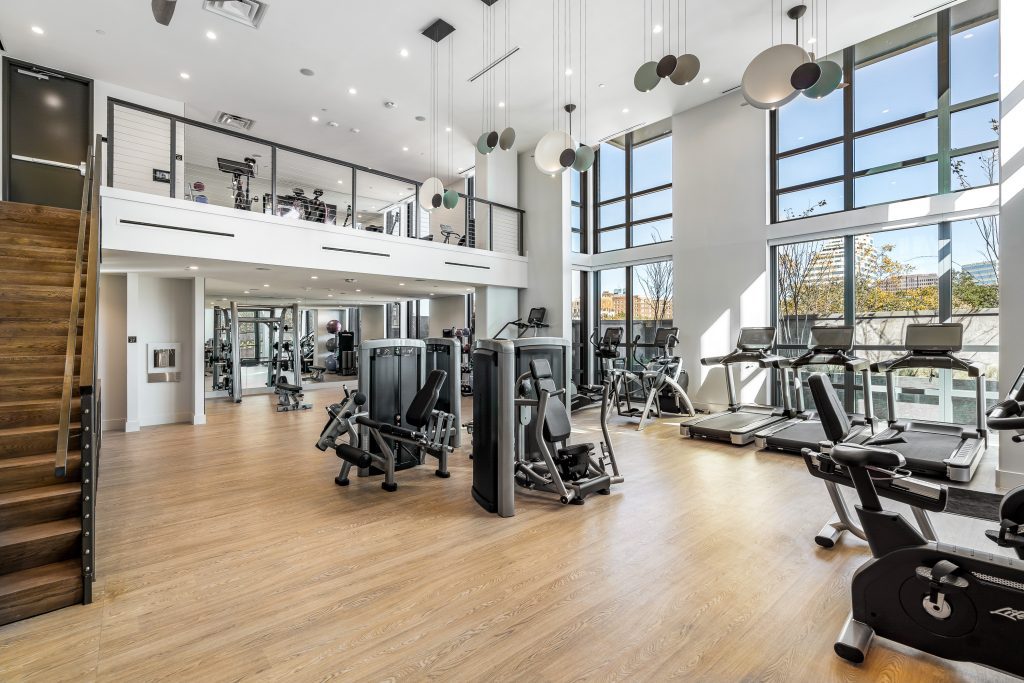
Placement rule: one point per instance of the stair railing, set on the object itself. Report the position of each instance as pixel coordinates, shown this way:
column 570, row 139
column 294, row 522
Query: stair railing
column 87, row 263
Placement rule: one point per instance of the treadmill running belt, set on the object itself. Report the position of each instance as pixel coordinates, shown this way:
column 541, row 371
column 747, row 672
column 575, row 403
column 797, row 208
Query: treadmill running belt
column 977, row 504
column 925, row 451
column 726, row 422
column 805, row 434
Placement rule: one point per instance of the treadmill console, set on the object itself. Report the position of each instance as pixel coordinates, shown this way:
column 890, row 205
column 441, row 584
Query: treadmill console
column 536, row 316
column 934, row 338
column 756, row 338
column 831, row 338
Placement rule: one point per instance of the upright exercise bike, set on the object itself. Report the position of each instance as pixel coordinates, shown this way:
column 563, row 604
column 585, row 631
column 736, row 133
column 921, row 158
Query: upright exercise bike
column 953, row 602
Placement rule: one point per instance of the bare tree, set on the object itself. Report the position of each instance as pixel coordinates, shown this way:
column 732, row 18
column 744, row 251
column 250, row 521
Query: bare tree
column 656, row 282
column 988, row 226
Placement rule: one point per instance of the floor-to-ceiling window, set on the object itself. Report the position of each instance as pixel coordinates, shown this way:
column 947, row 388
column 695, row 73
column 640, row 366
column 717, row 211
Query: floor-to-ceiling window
column 638, row 299
column 580, row 316
column 418, row 318
column 633, row 189
column 578, row 212
column 919, row 116
column 879, row 282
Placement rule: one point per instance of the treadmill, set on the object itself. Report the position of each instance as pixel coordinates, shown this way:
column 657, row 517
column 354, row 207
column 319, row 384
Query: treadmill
column 831, row 346
column 936, row 449
column 739, row 423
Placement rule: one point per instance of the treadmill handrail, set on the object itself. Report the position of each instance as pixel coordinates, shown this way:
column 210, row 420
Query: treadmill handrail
column 940, row 361
column 736, row 356
column 834, row 357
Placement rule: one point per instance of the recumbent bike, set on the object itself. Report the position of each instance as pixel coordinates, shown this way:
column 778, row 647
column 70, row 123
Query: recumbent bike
column 949, row 601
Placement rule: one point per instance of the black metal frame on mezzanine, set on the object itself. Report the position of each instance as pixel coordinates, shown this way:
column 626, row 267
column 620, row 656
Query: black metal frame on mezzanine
column 945, row 30
column 174, row 121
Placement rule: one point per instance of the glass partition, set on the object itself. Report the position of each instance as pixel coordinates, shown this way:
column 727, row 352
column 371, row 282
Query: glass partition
column 225, row 171
column 313, row 190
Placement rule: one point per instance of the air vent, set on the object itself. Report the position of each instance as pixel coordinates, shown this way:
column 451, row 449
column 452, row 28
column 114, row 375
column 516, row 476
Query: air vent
column 248, row 12
column 233, row 120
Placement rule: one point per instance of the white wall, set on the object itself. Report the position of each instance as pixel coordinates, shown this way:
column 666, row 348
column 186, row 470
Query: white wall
column 719, row 237
column 1011, row 248
column 163, row 310
column 372, row 322
column 495, row 306
column 547, row 243
column 113, row 342
column 446, row 312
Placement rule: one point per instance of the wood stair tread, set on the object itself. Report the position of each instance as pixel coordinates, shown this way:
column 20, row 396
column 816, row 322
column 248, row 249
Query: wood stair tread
column 37, row 532
column 35, row 429
column 36, row 402
column 16, row 582
column 40, row 493
column 35, row 459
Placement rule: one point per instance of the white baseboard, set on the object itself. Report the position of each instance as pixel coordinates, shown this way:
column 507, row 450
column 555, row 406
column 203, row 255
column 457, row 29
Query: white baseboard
column 1008, row 479
column 166, row 419
column 114, row 425
column 131, row 426
column 199, row 419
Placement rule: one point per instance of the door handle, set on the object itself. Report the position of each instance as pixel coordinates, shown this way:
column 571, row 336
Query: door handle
column 80, row 167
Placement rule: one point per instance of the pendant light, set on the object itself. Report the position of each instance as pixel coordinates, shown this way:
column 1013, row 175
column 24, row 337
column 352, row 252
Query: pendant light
column 432, row 193
column 450, row 198
column 490, row 138
column 507, row 138
column 647, row 78
column 766, row 82
column 584, row 153
column 818, row 79
column 556, row 151
column 687, row 65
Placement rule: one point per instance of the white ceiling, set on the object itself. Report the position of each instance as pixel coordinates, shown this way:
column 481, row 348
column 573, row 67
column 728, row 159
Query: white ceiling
column 356, row 44
column 229, row 280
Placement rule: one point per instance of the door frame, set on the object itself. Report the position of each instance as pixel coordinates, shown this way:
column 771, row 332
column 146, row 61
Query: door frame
column 5, row 145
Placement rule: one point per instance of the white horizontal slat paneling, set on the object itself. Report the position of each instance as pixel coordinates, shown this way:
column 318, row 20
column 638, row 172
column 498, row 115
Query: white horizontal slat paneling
column 142, row 142
column 506, row 231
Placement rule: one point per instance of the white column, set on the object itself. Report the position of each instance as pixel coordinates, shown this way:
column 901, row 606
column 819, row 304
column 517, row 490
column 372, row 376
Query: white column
column 199, row 351
column 134, row 356
column 1011, row 221
column 446, row 312
column 495, row 306
column 371, row 322
column 548, row 245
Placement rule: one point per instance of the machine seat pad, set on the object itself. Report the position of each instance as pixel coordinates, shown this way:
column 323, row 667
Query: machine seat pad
column 356, row 456
column 576, row 450
column 400, row 432
column 291, row 388
column 870, row 456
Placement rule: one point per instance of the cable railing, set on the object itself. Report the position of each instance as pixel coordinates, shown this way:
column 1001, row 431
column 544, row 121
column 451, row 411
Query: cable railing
column 171, row 156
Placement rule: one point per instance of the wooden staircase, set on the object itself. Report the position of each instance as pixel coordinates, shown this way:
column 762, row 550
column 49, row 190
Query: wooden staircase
column 45, row 505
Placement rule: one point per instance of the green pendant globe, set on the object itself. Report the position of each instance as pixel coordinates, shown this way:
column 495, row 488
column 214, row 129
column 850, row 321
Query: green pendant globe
column 451, row 199
column 831, row 77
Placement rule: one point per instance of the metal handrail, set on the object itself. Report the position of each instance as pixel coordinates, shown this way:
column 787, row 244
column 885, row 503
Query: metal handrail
column 67, row 388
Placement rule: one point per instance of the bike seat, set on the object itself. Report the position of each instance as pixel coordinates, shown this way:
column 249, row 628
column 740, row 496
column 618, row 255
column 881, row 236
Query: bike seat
column 867, row 456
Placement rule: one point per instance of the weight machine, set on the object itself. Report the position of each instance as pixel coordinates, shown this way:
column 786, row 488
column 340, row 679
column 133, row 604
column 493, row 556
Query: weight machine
column 285, row 355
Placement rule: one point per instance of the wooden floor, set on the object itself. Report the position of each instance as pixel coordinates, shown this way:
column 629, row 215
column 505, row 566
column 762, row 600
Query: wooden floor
column 226, row 552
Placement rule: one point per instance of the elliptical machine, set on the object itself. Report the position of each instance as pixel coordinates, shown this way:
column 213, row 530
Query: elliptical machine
column 957, row 603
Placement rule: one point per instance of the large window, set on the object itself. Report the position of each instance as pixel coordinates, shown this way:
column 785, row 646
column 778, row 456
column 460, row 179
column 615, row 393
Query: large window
column 577, row 211
column 633, row 203
column 879, row 282
column 919, row 116
column 636, row 298
column 579, row 312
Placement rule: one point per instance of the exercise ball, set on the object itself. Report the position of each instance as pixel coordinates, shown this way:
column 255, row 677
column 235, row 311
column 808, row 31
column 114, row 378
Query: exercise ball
column 333, row 326
column 332, row 345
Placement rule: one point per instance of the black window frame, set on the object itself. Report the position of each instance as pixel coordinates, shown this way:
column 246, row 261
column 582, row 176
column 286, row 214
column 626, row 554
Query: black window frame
column 943, row 113
column 628, row 198
column 584, row 230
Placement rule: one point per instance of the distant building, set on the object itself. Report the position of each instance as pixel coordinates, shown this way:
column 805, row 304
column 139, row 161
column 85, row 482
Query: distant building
column 983, row 272
column 905, row 283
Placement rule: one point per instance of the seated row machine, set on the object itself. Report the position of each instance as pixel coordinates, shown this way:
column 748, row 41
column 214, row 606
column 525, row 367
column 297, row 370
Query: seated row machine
column 430, row 434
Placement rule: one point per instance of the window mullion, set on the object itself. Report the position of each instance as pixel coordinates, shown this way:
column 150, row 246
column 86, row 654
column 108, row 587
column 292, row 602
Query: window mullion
column 945, row 125
column 629, row 190
column 848, row 127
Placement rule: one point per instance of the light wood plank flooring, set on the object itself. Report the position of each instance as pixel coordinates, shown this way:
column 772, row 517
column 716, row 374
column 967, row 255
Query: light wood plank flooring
column 226, row 552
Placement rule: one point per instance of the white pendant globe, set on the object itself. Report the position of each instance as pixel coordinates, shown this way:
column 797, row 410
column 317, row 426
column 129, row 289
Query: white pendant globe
column 549, row 150
column 766, row 81
column 430, row 188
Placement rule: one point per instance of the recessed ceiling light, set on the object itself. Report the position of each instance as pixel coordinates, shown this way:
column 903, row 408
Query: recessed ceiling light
column 330, row 295
column 600, row 85
column 211, row 35
column 351, row 91
column 100, row 32
column 332, row 124
column 469, row 289
column 706, row 80
column 266, row 285
column 625, row 110
column 501, row 104
column 401, row 284
column 224, row 298
column 306, row 72
column 38, row 31
column 403, row 52
column 184, row 75
column 420, row 117
column 354, row 130
column 245, row 291
column 405, row 149
column 657, row 28
column 359, row 290
column 314, row 119
column 193, row 268
column 341, row 182
column 447, row 129
column 431, row 294
column 568, row 71
column 314, row 277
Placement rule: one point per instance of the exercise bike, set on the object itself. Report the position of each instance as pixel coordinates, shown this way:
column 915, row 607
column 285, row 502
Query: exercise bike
column 953, row 602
